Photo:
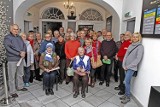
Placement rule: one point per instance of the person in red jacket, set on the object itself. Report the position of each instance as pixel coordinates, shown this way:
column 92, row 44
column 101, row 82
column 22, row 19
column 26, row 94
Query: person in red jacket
column 119, row 57
column 71, row 50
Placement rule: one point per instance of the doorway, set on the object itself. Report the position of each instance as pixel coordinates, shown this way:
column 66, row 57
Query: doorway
column 50, row 25
column 131, row 25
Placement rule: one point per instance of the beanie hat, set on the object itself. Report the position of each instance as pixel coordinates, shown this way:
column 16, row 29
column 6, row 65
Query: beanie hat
column 49, row 45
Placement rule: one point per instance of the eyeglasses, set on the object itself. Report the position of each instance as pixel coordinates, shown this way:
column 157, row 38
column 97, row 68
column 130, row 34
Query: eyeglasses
column 15, row 29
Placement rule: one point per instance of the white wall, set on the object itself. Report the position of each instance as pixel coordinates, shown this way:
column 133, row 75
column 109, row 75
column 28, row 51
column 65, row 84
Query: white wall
column 149, row 72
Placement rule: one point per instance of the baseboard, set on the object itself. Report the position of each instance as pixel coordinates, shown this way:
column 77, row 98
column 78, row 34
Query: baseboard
column 136, row 101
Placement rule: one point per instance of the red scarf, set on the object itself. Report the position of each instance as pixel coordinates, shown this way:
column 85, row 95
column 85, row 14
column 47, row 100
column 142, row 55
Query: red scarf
column 31, row 42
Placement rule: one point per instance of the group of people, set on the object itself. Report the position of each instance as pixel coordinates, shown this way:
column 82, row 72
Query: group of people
column 88, row 53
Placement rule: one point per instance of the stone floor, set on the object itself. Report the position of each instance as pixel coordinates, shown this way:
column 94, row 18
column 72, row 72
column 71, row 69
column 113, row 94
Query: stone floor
column 99, row 96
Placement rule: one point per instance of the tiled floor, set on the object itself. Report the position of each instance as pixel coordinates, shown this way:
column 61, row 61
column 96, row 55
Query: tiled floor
column 99, row 96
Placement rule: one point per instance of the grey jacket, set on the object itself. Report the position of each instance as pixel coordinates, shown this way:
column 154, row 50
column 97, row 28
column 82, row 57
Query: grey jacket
column 132, row 60
column 13, row 45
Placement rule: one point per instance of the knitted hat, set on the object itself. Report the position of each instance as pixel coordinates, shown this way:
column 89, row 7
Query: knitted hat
column 49, row 45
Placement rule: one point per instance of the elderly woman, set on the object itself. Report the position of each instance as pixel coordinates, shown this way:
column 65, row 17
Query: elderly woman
column 131, row 61
column 48, row 61
column 81, row 65
column 28, row 60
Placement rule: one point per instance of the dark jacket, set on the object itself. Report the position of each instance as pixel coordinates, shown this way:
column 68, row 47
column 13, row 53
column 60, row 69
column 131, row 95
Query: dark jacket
column 14, row 45
column 60, row 50
column 43, row 46
column 108, row 48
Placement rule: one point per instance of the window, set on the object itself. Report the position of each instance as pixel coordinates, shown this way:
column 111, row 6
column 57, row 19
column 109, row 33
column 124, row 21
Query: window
column 91, row 15
column 53, row 13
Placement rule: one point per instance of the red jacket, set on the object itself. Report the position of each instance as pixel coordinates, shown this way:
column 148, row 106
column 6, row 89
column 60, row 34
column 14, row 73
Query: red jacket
column 71, row 48
column 122, row 51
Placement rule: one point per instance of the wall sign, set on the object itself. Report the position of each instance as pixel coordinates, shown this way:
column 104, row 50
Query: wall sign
column 150, row 21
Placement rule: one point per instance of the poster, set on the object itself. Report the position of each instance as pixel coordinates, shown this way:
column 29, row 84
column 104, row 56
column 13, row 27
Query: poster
column 150, row 21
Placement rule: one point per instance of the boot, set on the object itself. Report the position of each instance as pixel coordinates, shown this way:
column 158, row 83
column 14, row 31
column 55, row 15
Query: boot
column 47, row 92
column 51, row 91
column 75, row 95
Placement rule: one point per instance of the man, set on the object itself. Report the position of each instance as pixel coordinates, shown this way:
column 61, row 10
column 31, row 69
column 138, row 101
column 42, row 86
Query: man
column 15, row 50
column 56, row 35
column 61, row 31
column 104, row 33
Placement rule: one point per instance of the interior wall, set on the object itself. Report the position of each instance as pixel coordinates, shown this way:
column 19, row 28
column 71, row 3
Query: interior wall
column 148, row 74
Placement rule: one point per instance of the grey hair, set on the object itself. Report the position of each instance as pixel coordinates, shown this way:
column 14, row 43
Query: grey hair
column 72, row 34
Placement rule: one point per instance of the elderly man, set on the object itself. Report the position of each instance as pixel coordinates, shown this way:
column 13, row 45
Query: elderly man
column 82, row 66
column 15, row 50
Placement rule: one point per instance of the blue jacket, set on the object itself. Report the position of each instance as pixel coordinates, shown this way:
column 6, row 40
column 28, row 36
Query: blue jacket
column 83, row 62
column 13, row 45
column 43, row 46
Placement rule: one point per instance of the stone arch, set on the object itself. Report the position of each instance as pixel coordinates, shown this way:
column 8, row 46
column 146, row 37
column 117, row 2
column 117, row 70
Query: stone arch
column 52, row 13
column 91, row 15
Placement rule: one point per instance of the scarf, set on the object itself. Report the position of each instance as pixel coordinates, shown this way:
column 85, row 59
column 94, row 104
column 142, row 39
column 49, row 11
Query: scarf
column 48, row 57
column 88, row 49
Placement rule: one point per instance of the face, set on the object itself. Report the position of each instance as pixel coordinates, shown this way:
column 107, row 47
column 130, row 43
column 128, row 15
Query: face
column 67, row 37
column 14, row 30
column 99, row 34
column 127, row 36
column 56, row 34
column 135, row 38
column 48, row 37
column 121, row 37
column 82, row 34
column 38, row 36
column 30, row 37
column 81, row 51
column 86, row 30
column 91, row 33
column 72, row 38
column 94, row 37
column 69, row 30
column 60, row 39
column 104, row 32
column 87, row 43
column 109, row 36
column 61, row 30
column 49, row 49
column 24, row 37
column 79, row 34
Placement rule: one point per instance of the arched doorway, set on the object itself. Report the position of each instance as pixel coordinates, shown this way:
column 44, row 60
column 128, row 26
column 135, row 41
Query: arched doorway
column 114, row 7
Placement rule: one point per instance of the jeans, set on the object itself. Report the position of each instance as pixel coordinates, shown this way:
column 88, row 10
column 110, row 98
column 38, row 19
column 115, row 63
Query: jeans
column 26, row 74
column 49, row 79
column 128, row 77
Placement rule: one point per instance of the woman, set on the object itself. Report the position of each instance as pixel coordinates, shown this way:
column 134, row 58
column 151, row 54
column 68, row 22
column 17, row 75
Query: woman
column 37, row 44
column 71, row 49
column 119, row 57
column 91, row 52
column 28, row 60
column 48, row 61
column 108, row 51
column 131, row 61
column 60, row 46
column 81, row 65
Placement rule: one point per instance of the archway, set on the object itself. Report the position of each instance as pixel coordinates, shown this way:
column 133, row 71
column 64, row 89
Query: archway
column 114, row 7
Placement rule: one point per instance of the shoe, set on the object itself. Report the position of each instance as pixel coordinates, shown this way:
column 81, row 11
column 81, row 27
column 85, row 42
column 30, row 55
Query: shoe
column 121, row 93
column 123, row 97
column 126, row 100
column 51, row 91
column 92, row 85
column 107, row 84
column 27, row 84
column 61, row 81
column 38, row 79
column 101, row 83
column 67, row 83
column 22, row 89
column 47, row 92
column 83, row 94
column 117, row 88
column 75, row 95
column 15, row 95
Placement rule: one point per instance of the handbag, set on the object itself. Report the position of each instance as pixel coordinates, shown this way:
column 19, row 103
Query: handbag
column 98, row 63
column 70, row 70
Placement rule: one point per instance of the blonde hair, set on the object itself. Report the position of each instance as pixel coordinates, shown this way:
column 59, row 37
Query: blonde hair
column 21, row 34
column 137, row 34
column 88, row 40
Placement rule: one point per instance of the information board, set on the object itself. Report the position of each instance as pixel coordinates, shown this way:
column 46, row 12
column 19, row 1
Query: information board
column 150, row 22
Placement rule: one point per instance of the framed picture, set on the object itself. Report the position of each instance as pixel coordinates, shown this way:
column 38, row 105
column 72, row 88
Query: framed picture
column 150, row 21
column 80, row 27
column 109, row 24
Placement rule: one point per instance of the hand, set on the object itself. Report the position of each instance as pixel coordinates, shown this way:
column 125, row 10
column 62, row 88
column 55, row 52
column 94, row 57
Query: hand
column 58, row 57
column 116, row 57
column 22, row 54
column 125, row 68
column 72, row 58
column 83, row 70
column 78, row 68
column 47, row 70
column 105, row 57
